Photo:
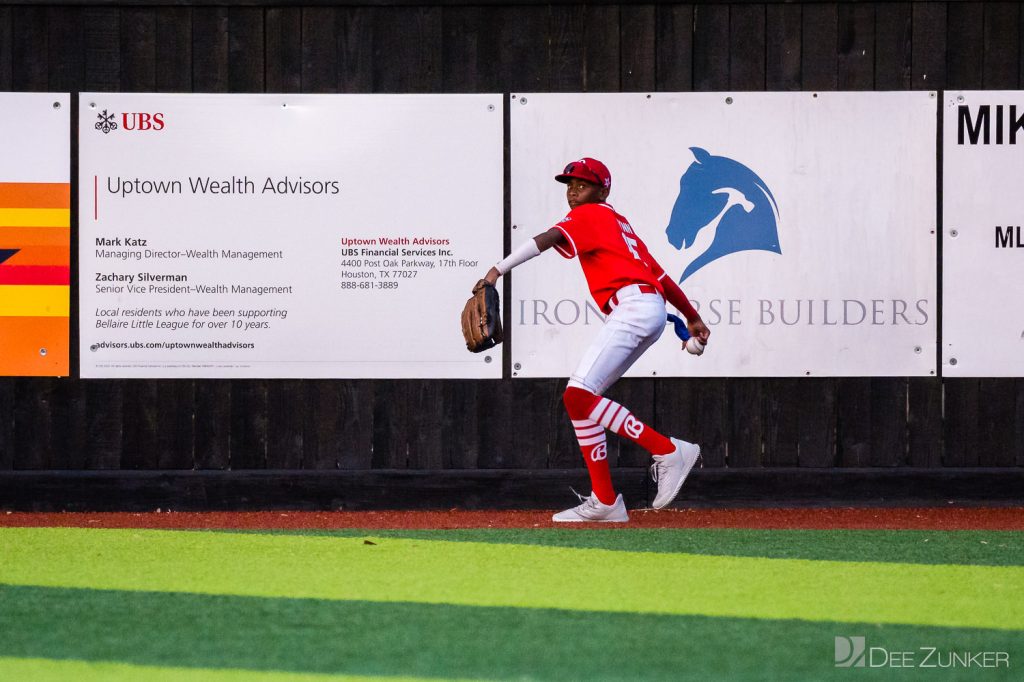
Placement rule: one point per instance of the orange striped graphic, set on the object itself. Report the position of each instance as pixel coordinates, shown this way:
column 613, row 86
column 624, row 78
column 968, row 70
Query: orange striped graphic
column 20, row 237
column 22, row 338
column 35, row 274
column 40, row 255
column 42, row 300
column 35, row 241
column 35, row 195
column 35, row 217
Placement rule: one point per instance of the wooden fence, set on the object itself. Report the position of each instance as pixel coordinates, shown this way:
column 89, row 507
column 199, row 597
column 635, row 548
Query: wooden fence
column 177, row 46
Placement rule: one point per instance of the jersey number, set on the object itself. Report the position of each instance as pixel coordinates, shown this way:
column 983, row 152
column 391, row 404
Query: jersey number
column 631, row 244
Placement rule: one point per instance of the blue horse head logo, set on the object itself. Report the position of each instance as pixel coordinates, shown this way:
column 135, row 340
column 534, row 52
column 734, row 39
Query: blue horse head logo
column 731, row 200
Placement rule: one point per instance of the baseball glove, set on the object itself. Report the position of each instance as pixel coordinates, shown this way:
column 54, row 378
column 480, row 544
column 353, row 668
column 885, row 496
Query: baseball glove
column 481, row 318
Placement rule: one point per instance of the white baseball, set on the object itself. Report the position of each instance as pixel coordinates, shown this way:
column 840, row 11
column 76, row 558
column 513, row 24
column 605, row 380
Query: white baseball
column 694, row 346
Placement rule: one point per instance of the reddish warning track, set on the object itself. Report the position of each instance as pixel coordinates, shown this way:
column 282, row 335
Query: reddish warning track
column 944, row 518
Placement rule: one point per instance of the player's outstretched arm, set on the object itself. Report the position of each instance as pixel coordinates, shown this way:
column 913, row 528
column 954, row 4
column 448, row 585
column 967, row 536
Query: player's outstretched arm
column 524, row 252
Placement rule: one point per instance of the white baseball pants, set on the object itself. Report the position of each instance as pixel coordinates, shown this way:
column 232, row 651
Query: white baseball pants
column 636, row 322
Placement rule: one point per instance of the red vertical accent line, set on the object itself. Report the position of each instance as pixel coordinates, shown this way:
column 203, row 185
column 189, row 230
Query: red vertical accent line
column 95, row 198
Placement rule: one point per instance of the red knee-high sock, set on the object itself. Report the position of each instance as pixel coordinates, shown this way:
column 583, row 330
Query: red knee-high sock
column 618, row 419
column 592, row 442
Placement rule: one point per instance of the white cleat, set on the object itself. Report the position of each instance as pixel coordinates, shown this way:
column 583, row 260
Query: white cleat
column 670, row 471
column 593, row 510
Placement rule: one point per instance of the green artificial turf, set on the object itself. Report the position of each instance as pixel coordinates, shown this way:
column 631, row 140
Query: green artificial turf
column 488, row 574
column 979, row 548
column 545, row 604
column 424, row 640
column 48, row 670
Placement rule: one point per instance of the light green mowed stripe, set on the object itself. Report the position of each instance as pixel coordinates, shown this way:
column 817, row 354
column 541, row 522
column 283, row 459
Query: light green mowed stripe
column 481, row 574
column 50, row 670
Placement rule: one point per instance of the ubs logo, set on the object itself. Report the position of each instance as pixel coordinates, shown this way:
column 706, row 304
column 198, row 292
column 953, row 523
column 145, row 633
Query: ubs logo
column 141, row 121
column 106, row 122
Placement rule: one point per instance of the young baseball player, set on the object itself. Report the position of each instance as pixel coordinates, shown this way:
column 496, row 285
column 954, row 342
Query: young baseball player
column 631, row 288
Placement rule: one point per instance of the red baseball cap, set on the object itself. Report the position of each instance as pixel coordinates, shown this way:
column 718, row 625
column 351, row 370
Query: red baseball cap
column 587, row 169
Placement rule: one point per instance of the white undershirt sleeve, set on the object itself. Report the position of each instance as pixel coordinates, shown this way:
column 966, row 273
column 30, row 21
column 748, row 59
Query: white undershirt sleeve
column 519, row 255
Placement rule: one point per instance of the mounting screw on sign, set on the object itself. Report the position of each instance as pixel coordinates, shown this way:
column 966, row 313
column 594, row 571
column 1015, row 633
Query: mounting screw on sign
column 952, row 361
column 917, row 349
column 954, row 234
column 517, row 366
column 42, row 351
column 490, row 107
column 487, row 359
column 522, row 100
column 56, row 105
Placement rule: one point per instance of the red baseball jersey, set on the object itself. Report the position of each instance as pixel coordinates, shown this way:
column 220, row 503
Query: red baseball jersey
column 611, row 254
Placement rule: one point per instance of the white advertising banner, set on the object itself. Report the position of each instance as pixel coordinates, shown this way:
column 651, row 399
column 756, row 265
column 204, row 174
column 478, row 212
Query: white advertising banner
column 35, row 233
column 35, row 137
column 982, row 241
column 802, row 225
column 277, row 236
